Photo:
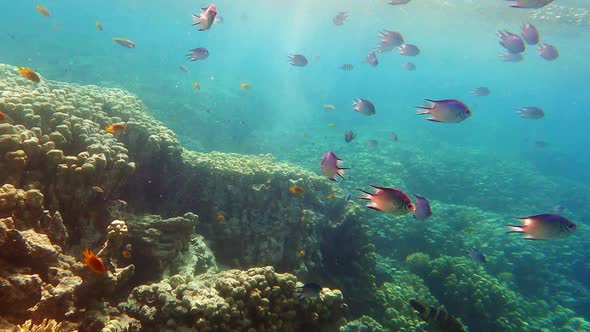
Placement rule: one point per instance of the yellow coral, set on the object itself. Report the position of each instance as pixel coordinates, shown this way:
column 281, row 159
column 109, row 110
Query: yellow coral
column 47, row 325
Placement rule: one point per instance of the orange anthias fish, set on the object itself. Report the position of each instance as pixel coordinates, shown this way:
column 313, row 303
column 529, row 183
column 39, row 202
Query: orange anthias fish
column 29, row 74
column 93, row 262
column 220, row 217
column 245, row 86
column 296, row 190
column 115, row 128
column 124, row 42
column 98, row 25
column 42, row 10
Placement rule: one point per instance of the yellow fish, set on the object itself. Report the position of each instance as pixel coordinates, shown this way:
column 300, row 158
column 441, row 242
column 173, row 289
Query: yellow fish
column 331, row 196
column 196, row 85
column 115, row 128
column 331, row 125
column 42, row 10
column 245, row 86
column 296, row 190
column 29, row 74
column 98, row 25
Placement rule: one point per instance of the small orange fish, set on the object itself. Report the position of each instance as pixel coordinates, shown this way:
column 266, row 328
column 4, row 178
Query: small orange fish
column 331, row 196
column 98, row 25
column 245, row 86
column 220, row 217
column 29, row 74
column 2, row 116
column 93, row 262
column 124, row 42
column 296, row 190
column 197, row 85
column 115, row 128
column 42, row 10
column 127, row 251
column 301, row 253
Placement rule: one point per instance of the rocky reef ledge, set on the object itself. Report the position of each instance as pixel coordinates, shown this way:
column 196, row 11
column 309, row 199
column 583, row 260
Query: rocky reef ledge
column 189, row 241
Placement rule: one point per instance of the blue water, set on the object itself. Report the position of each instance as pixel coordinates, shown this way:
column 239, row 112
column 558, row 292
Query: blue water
column 282, row 113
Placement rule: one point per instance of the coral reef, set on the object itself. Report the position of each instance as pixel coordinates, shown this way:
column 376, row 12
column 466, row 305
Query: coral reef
column 54, row 151
column 258, row 299
column 39, row 281
column 393, row 296
column 349, row 260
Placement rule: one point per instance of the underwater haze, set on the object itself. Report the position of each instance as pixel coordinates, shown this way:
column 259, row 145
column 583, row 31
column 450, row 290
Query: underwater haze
column 478, row 173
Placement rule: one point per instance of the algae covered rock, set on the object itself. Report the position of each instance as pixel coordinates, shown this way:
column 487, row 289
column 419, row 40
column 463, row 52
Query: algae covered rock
column 167, row 246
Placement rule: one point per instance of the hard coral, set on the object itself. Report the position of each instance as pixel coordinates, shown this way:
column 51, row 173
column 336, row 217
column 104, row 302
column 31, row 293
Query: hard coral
column 234, row 300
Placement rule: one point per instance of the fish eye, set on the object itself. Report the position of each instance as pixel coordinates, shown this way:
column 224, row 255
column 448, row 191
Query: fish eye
column 411, row 207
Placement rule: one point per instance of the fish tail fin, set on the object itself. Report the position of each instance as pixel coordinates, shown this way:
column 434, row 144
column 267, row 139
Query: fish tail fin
column 366, row 192
column 196, row 19
column 514, row 229
column 530, row 237
column 422, row 110
column 367, row 195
